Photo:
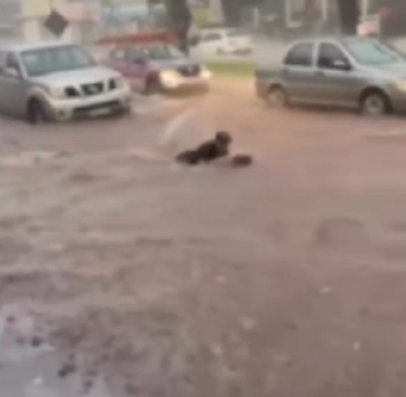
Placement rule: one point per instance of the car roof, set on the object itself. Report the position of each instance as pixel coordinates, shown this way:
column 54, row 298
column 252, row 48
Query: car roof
column 219, row 30
column 19, row 46
column 143, row 45
column 335, row 39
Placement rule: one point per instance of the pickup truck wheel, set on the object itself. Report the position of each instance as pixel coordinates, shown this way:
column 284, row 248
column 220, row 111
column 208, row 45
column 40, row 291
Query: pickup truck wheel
column 36, row 113
column 277, row 97
column 375, row 103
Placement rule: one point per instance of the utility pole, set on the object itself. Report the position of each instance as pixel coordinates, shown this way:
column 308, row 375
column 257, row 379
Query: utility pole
column 348, row 11
column 364, row 8
column 288, row 13
column 151, row 13
column 324, row 9
column 216, row 11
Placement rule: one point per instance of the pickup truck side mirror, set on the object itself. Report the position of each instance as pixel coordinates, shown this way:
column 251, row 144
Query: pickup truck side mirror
column 11, row 72
column 341, row 64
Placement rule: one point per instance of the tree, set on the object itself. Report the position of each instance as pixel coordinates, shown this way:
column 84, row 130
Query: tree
column 181, row 19
column 232, row 9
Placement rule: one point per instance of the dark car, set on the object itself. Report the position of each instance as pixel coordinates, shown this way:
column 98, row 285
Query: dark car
column 152, row 68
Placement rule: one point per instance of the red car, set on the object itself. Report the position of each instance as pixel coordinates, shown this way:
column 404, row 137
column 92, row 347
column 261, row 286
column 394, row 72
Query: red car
column 155, row 66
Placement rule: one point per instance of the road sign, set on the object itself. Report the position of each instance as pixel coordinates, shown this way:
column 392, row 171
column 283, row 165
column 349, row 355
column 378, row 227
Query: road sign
column 56, row 23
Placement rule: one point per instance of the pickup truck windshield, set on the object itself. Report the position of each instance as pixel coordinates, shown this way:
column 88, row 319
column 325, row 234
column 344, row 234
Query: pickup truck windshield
column 44, row 61
column 373, row 53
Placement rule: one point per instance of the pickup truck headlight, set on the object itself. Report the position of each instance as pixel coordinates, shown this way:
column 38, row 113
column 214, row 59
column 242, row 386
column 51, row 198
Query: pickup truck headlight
column 56, row 92
column 401, row 85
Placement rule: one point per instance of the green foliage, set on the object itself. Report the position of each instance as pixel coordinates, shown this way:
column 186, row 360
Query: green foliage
column 232, row 69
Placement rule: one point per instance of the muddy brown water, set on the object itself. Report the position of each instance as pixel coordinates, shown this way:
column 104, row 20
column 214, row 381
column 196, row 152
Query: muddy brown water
column 286, row 278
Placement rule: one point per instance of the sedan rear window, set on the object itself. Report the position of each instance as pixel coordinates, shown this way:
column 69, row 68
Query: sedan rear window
column 300, row 55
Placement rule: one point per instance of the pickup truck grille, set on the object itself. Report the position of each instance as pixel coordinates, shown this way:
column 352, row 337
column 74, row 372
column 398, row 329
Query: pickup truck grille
column 92, row 89
column 72, row 92
column 84, row 110
column 189, row 71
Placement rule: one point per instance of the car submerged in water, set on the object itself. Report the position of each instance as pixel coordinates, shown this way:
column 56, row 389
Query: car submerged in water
column 154, row 66
column 356, row 73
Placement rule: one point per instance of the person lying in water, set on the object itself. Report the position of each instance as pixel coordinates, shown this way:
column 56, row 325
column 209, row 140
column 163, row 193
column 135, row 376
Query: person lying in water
column 208, row 151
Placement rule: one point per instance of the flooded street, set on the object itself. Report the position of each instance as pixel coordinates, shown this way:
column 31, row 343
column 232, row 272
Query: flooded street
column 284, row 279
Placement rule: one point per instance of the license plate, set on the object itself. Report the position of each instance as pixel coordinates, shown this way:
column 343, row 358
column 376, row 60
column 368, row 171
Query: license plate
column 99, row 112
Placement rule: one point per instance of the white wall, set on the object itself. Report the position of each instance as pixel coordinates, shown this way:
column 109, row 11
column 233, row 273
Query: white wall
column 33, row 30
column 33, row 13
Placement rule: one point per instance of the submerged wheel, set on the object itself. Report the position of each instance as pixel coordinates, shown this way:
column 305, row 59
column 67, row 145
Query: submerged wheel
column 277, row 97
column 375, row 103
column 35, row 112
column 153, row 86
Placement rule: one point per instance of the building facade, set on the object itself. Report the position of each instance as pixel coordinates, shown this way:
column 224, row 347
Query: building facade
column 24, row 19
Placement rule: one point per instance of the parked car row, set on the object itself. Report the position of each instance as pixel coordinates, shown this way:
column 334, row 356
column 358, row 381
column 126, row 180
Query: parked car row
column 57, row 81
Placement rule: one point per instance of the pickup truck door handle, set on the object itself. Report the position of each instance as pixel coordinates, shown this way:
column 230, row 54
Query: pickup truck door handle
column 319, row 73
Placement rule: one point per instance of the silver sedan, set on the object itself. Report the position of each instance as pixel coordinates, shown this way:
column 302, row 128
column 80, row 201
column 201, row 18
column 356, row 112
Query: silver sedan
column 356, row 73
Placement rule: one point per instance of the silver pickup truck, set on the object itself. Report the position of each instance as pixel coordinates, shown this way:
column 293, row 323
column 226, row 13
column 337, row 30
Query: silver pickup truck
column 58, row 81
column 356, row 73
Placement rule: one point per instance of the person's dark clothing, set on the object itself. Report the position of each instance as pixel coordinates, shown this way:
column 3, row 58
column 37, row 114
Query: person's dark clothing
column 207, row 151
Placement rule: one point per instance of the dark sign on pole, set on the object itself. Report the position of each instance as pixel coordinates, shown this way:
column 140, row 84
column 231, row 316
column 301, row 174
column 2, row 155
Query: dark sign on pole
column 56, row 23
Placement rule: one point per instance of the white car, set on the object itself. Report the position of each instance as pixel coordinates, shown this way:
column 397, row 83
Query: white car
column 58, row 81
column 369, row 26
column 214, row 42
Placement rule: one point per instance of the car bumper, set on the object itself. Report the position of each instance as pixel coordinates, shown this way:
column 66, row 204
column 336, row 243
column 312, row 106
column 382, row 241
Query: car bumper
column 186, row 85
column 96, row 106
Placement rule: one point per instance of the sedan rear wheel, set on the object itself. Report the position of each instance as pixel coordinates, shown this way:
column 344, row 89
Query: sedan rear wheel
column 375, row 104
column 277, row 97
